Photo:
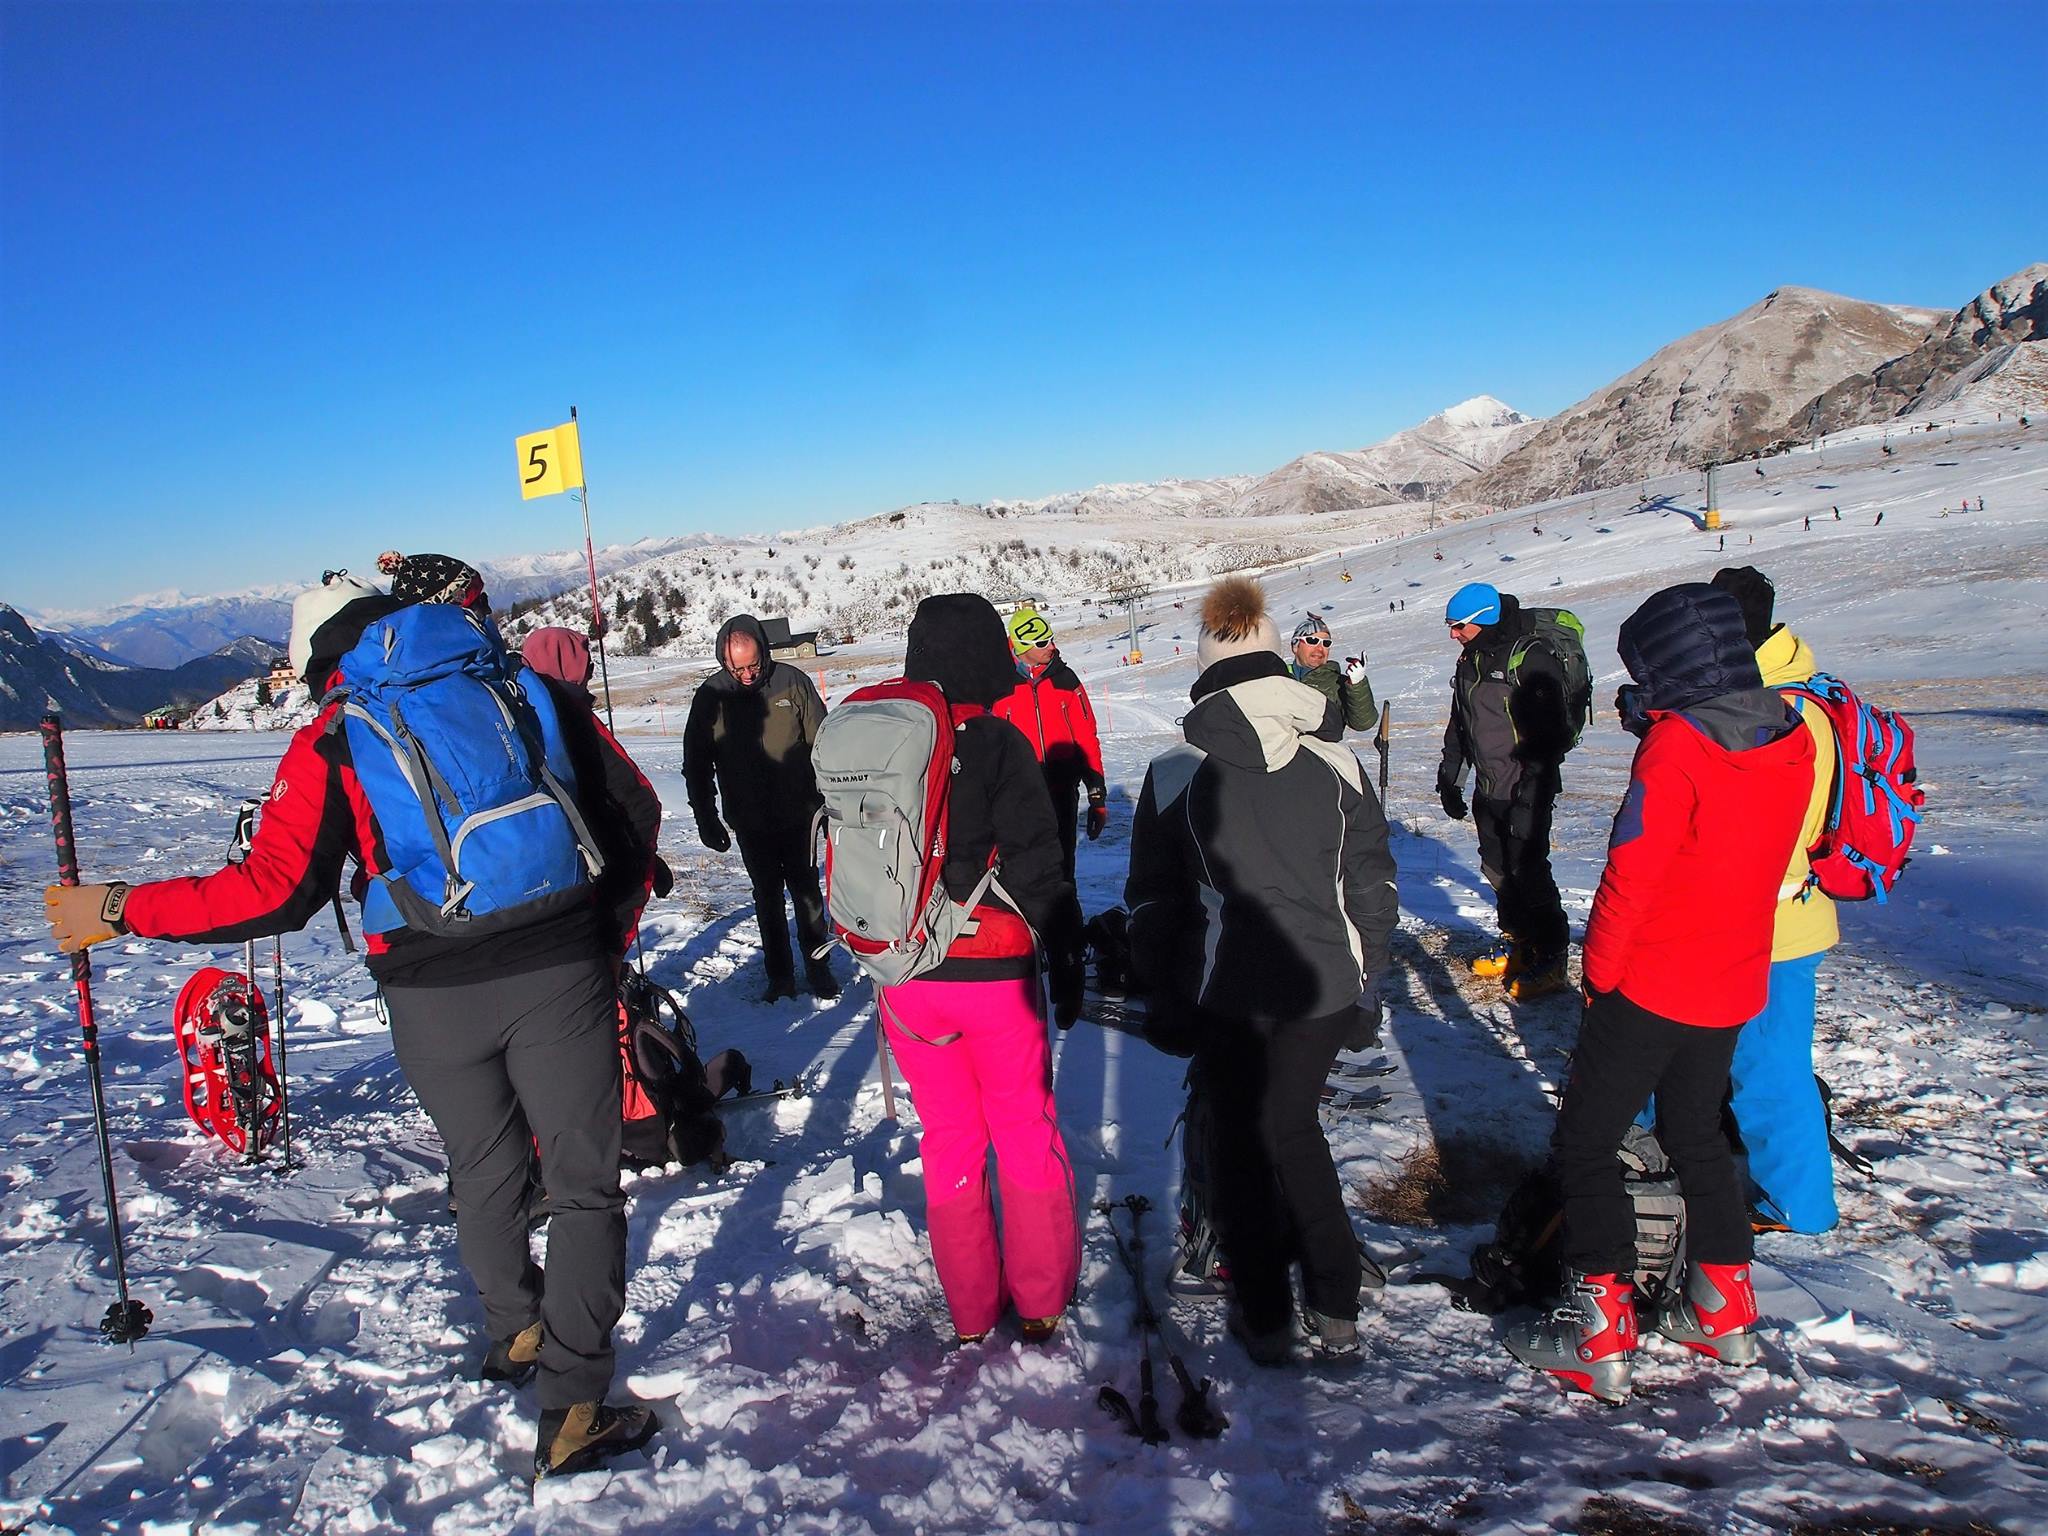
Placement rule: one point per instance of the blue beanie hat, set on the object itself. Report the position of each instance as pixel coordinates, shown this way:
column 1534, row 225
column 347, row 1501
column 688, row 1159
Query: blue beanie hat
column 1473, row 603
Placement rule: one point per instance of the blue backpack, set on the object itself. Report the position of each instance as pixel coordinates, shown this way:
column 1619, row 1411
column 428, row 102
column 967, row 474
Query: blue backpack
column 469, row 778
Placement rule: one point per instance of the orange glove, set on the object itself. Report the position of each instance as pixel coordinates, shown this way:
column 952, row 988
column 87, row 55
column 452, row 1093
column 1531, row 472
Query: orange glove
column 84, row 914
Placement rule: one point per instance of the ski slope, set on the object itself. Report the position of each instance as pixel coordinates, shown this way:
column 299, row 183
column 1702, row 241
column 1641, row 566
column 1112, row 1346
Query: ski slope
column 314, row 1332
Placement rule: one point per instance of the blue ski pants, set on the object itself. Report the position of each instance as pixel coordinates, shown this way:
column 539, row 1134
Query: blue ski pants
column 1778, row 1107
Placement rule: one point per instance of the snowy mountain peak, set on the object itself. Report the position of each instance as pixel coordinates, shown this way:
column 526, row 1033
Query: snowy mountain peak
column 1481, row 412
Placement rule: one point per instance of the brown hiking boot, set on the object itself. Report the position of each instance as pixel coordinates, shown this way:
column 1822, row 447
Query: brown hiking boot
column 1039, row 1330
column 1539, row 978
column 586, row 1435
column 515, row 1359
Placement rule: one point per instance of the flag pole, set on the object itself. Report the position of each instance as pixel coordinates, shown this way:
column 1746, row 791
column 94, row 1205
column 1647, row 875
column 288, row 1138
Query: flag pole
column 597, row 624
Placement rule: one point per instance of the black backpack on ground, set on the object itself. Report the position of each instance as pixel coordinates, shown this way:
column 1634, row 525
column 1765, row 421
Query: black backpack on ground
column 1524, row 1263
column 668, row 1091
column 1108, row 937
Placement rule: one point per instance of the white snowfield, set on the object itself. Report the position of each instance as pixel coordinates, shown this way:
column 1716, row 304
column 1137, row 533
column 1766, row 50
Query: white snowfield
column 310, row 1365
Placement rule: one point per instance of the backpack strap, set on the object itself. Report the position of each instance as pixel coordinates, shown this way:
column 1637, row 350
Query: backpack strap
column 420, row 773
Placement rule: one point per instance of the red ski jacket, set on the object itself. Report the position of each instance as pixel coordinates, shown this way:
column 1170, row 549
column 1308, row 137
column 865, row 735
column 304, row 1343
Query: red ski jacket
column 1681, row 924
column 1051, row 708
column 316, row 816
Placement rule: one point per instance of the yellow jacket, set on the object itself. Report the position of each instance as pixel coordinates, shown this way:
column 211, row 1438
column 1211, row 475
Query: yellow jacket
column 1806, row 922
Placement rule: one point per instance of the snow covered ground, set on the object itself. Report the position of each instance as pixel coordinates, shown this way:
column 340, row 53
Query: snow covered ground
column 314, row 1334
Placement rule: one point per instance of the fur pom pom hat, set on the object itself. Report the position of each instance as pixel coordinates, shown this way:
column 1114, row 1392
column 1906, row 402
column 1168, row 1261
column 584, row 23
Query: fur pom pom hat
column 1235, row 622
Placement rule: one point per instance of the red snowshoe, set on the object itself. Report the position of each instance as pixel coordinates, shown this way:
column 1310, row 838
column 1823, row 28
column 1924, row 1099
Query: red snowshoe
column 231, row 1089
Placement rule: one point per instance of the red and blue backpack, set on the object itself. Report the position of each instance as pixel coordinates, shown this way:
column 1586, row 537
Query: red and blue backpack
column 1874, row 807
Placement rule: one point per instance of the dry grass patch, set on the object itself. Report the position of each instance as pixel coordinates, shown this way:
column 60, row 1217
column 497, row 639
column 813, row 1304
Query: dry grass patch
column 1452, row 1182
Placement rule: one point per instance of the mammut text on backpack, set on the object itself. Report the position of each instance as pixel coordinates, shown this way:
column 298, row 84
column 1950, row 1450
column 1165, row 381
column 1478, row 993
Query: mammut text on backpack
column 1875, row 807
column 469, row 778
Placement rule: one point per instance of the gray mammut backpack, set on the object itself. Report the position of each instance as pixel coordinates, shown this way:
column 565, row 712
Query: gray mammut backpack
column 1559, row 631
column 884, row 765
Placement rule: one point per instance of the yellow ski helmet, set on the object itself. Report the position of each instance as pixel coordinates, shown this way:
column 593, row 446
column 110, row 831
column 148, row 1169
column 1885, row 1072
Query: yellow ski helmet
column 1028, row 628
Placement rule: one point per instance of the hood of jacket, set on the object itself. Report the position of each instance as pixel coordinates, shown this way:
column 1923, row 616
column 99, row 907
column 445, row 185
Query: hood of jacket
column 741, row 624
column 958, row 641
column 1741, row 721
column 562, row 654
column 1250, row 714
column 1785, row 658
column 1687, row 644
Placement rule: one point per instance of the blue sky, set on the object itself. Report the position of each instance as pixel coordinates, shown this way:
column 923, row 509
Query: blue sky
column 280, row 283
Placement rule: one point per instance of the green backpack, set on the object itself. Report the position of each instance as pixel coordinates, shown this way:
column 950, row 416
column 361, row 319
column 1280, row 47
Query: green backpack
column 1559, row 631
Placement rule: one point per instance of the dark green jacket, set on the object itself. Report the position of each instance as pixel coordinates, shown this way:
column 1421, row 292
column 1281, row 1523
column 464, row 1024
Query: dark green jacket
column 1360, row 710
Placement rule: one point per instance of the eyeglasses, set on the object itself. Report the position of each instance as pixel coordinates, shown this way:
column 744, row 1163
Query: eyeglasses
column 749, row 670
column 1315, row 642
column 1459, row 627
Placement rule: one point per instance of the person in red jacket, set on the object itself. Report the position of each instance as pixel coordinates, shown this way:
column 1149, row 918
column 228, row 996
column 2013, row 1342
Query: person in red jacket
column 498, row 1035
column 1051, row 708
column 1677, row 958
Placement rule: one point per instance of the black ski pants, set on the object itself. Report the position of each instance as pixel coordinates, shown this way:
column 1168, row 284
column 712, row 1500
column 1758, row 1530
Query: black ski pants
column 1624, row 1055
column 1274, row 1189
column 778, row 857
column 1514, row 855
column 1064, row 787
column 498, row 1064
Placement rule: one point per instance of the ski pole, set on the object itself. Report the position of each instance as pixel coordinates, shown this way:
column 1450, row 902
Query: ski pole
column 284, row 1090
column 882, row 1058
column 1197, row 1416
column 597, row 623
column 1384, row 743
column 127, row 1319
column 248, row 1102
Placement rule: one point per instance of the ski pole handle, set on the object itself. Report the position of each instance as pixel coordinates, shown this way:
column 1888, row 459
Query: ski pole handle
column 52, row 731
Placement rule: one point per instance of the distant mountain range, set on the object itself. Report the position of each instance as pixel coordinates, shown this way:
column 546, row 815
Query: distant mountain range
column 1796, row 363
column 43, row 672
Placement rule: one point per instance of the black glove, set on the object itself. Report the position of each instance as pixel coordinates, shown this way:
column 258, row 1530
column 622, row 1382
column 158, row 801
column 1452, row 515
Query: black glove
column 1365, row 1024
column 664, row 877
column 1453, row 798
column 713, row 833
column 1069, row 975
column 1537, row 780
column 1098, row 813
column 1628, row 703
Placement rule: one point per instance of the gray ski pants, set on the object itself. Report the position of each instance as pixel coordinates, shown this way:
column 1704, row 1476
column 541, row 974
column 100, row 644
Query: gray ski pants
column 497, row 1064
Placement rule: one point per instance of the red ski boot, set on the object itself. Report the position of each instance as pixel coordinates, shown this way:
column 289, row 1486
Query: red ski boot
column 1588, row 1338
column 1715, row 1314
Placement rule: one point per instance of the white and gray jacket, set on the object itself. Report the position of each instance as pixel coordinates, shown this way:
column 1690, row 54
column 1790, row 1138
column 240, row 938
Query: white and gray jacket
column 1261, row 885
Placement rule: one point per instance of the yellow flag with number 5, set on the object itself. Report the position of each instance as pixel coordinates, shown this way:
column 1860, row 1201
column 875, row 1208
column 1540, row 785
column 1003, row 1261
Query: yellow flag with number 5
column 550, row 462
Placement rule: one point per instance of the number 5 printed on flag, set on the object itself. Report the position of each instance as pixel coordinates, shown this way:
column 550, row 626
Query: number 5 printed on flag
column 550, row 462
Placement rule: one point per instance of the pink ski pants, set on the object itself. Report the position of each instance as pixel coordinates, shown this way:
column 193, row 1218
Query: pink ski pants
column 989, row 1086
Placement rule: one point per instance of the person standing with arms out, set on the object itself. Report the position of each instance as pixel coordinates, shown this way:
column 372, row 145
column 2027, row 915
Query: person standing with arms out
column 971, row 1033
column 1049, row 705
column 1776, row 1099
column 747, row 752
column 1511, row 725
column 1243, row 835
column 1678, row 956
column 502, row 1002
column 1349, row 689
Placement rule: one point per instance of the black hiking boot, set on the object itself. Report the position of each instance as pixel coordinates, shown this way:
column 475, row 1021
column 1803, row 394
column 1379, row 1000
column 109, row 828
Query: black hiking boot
column 513, row 1360
column 778, row 987
column 586, row 1435
column 823, row 984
